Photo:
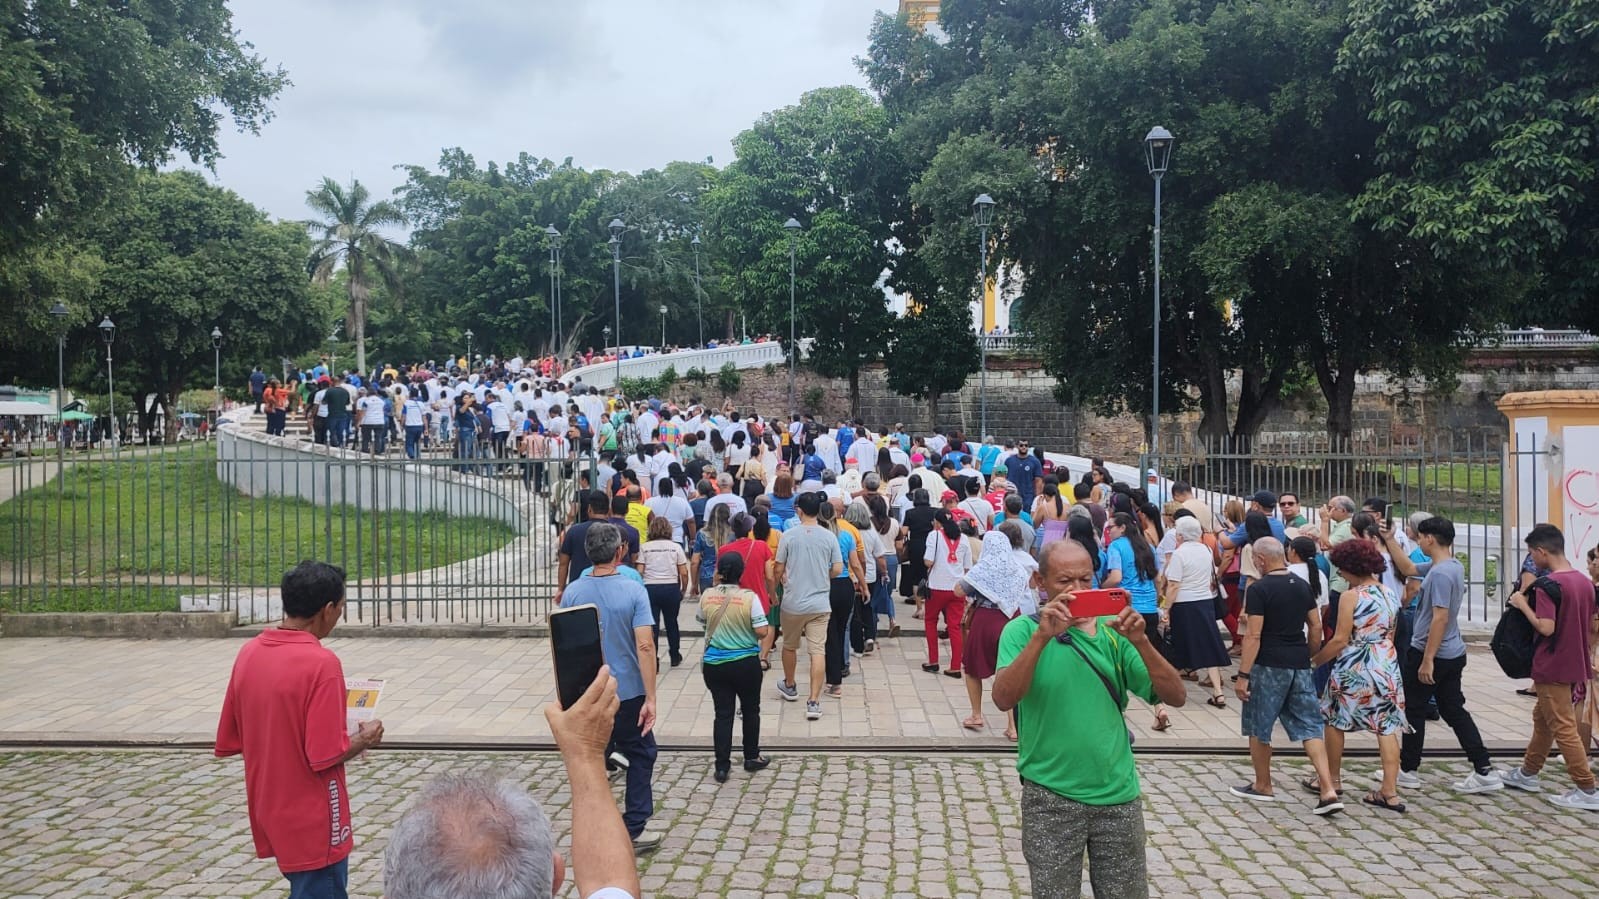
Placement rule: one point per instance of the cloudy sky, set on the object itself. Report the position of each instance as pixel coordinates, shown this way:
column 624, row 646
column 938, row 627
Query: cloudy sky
column 620, row 84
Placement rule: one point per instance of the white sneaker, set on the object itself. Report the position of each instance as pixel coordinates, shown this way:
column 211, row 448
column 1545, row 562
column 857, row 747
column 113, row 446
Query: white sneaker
column 1520, row 780
column 1480, row 783
column 1409, row 780
column 1577, row 799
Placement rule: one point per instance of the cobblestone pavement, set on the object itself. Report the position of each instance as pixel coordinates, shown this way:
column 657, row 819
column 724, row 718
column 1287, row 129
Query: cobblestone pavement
column 149, row 823
column 493, row 690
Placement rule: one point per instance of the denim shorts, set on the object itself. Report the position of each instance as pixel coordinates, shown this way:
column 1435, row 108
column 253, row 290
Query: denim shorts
column 1281, row 694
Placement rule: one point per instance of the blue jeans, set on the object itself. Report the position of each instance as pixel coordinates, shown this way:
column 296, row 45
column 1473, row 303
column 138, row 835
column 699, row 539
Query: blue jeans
column 338, row 425
column 323, row 883
column 639, row 748
column 413, row 439
column 468, row 445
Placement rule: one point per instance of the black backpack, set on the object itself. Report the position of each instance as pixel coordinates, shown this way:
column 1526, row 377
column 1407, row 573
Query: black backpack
column 1515, row 641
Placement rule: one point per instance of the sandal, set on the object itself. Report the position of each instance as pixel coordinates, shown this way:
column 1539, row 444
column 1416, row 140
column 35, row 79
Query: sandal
column 893, row 630
column 1391, row 803
column 1162, row 721
column 974, row 724
column 1312, row 784
column 1526, row 691
column 1219, row 701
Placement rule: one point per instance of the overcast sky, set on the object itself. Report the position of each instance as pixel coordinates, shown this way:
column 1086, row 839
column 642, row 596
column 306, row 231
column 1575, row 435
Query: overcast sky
column 621, row 84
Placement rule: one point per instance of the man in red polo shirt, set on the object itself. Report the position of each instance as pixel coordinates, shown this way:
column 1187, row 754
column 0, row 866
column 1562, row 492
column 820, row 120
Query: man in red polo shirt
column 285, row 711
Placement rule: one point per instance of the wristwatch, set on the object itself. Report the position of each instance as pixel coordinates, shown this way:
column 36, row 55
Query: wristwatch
column 1243, row 675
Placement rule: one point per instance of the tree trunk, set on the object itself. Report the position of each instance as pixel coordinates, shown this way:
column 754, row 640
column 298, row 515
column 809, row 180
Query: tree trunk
column 358, row 300
column 854, row 393
column 932, row 411
column 1260, row 395
column 1213, row 403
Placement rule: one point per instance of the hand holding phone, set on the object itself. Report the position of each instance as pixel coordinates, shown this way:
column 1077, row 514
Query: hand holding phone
column 576, row 650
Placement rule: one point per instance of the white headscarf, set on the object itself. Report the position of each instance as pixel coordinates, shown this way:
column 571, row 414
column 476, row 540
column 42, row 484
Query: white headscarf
column 999, row 575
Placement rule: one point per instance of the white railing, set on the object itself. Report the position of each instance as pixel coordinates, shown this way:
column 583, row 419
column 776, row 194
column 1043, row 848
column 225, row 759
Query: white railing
column 1004, row 343
column 742, row 356
column 1541, row 339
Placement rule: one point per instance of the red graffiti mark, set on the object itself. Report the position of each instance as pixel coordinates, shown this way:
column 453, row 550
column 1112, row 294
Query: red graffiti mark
column 1588, row 483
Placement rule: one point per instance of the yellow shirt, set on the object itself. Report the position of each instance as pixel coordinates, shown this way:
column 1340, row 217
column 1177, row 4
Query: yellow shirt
column 638, row 515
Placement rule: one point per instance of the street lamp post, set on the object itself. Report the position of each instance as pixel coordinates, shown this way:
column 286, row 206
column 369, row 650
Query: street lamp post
column 333, row 354
column 792, row 226
column 983, row 216
column 554, row 237
column 216, row 346
column 699, row 301
column 468, row 335
column 607, row 342
column 58, row 312
column 616, row 227
column 663, row 327
column 108, row 333
column 1157, row 150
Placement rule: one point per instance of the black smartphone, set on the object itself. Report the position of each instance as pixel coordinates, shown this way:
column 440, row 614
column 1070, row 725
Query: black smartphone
column 575, row 644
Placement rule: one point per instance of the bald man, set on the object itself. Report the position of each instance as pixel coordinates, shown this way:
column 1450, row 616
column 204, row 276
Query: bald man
column 1073, row 675
column 1274, row 680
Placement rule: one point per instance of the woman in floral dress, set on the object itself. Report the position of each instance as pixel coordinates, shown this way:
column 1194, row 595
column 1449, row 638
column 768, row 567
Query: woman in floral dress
column 1365, row 691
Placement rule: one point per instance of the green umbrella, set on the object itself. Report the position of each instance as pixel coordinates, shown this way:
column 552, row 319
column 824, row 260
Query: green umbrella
column 75, row 415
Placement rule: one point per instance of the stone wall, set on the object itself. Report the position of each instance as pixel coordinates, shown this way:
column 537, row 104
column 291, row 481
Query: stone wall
column 1021, row 403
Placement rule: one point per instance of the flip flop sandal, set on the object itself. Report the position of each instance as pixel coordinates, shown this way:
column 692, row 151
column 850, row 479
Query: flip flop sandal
column 1391, row 803
column 1526, row 691
column 1313, row 785
column 1162, row 722
column 1219, row 702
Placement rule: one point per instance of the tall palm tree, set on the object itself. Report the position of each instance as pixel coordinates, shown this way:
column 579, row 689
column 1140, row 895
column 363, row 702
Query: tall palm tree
column 348, row 232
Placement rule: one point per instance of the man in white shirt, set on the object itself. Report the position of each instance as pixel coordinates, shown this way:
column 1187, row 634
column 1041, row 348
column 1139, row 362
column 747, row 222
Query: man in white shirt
column 864, row 452
column 373, row 431
column 414, row 416
column 500, row 418
column 725, row 496
column 661, row 463
column 648, row 423
column 670, row 505
column 827, row 449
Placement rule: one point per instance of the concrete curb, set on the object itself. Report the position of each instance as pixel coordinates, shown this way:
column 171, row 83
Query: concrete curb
column 126, row 625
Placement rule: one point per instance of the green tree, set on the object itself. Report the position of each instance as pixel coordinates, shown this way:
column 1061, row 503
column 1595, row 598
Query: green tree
column 88, row 90
column 182, row 257
column 1489, row 142
column 348, row 234
column 824, row 163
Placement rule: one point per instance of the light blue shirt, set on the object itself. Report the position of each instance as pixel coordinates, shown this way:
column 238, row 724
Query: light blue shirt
column 1140, row 590
column 624, row 605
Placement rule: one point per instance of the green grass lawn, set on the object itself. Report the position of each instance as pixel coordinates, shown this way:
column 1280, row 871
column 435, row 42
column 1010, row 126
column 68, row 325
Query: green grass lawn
column 134, row 534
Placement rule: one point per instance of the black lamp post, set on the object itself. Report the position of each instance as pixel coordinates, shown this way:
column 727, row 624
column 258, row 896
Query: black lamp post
column 468, row 335
column 983, row 217
column 792, row 227
column 216, row 346
column 108, row 333
column 1157, row 150
column 616, row 227
column 699, row 300
column 58, row 313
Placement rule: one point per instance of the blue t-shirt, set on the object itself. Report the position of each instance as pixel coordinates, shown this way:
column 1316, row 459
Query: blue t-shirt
column 1239, row 536
column 1021, row 470
column 782, row 508
column 814, row 466
column 624, row 605
column 707, row 551
column 1140, row 590
column 987, row 455
column 846, row 546
column 845, row 437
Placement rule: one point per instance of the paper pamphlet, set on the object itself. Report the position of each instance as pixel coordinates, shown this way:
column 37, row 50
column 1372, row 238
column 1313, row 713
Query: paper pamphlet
column 361, row 701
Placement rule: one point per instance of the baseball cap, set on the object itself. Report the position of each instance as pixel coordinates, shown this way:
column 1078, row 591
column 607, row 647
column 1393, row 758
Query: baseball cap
column 1265, row 499
column 946, row 495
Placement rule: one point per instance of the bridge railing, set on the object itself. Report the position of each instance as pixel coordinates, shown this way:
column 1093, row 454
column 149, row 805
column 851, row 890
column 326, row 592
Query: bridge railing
column 743, row 356
column 1539, row 338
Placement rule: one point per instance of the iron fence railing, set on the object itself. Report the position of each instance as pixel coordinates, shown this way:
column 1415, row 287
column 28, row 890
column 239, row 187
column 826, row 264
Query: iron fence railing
column 213, row 525
column 1461, row 477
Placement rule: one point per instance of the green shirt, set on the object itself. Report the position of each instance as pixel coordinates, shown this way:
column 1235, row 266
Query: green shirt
column 1073, row 739
column 1338, row 532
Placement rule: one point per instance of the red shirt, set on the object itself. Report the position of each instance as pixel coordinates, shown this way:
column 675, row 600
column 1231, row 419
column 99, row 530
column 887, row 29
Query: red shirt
column 1563, row 658
column 756, row 554
column 285, row 710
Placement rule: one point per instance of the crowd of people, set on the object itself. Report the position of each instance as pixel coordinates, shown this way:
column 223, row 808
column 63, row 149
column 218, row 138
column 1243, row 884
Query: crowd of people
column 796, row 534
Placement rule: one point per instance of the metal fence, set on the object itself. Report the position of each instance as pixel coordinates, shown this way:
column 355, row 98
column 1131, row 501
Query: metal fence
column 214, row 524
column 1460, row 477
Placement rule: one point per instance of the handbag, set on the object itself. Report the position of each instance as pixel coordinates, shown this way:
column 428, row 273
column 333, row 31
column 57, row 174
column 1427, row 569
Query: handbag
column 1218, row 599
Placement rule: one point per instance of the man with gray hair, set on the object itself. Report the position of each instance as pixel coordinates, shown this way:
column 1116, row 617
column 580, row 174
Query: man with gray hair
column 726, row 496
column 627, row 637
column 476, row 836
column 1274, row 679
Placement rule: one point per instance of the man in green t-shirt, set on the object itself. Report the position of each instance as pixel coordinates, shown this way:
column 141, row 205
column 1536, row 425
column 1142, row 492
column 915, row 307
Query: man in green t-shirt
column 1079, row 784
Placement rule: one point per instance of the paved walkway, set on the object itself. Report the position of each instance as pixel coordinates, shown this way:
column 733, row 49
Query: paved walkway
column 165, row 823
column 485, row 691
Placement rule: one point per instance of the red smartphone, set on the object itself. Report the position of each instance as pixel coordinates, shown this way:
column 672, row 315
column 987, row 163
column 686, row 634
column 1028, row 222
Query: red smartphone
column 1097, row 603
column 575, row 635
